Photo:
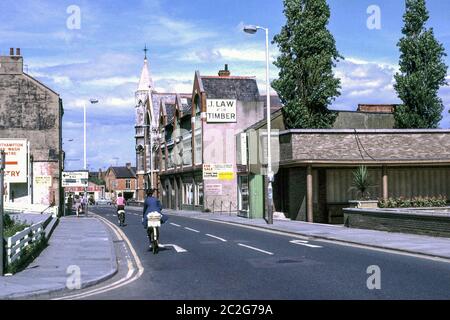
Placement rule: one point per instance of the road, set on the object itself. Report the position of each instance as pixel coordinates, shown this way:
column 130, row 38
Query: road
column 224, row 262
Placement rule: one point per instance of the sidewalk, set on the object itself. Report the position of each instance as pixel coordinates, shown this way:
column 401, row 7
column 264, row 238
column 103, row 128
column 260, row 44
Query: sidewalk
column 82, row 242
column 409, row 243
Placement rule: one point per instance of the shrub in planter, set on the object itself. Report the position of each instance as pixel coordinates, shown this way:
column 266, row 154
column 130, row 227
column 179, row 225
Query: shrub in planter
column 361, row 183
column 416, row 202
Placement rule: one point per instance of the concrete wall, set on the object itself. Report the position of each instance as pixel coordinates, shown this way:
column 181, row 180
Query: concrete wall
column 401, row 221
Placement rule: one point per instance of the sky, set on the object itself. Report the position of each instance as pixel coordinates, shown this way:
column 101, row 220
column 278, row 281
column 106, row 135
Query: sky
column 100, row 55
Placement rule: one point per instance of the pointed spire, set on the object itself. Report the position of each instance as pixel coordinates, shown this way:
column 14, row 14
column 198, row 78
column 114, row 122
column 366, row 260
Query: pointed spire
column 145, row 82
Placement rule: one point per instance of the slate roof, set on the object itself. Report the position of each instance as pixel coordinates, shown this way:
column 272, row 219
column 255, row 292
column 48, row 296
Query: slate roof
column 365, row 146
column 170, row 110
column 124, row 172
column 186, row 106
column 275, row 102
column 240, row 88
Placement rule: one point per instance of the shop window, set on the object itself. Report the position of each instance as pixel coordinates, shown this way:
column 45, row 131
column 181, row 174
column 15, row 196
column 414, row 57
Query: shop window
column 199, row 194
column 243, row 193
column 188, row 194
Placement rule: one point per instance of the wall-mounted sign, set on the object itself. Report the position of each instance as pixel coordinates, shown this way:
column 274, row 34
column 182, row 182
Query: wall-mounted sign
column 213, row 189
column 221, row 111
column 75, row 179
column 16, row 155
column 218, row 172
column 43, row 181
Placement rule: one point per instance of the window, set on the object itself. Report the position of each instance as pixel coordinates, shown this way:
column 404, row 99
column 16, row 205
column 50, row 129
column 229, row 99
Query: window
column 243, row 195
column 199, row 194
column 128, row 184
column 188, row 194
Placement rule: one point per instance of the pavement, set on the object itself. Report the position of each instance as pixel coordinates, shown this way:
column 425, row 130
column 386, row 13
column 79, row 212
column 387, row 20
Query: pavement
column 408, row 243
column 83, row 244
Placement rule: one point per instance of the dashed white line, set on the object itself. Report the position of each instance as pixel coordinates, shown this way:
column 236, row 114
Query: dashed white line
column 176, row 225
column 218, row 238
column 193, row 230
column 256, row 249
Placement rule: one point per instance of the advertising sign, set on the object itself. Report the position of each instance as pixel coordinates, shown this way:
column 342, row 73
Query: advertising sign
column 16, row 160
column 218, row 172
column 43, row 181
column 75, row 179
column 213, row 189
column 221, row 111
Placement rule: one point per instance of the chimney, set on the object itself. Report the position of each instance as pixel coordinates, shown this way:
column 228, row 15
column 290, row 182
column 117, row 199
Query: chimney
column 11, row 51
column 18, row 52
column 225, row 73
column 129, row 166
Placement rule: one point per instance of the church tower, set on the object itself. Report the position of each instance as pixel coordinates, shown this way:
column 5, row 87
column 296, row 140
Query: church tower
column 143, row 110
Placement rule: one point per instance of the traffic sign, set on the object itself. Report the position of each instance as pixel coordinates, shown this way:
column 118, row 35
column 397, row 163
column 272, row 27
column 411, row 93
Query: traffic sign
column 75, row 179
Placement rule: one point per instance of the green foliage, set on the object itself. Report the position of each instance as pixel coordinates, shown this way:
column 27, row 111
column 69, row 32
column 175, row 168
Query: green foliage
column 11, row 226
column 308, row 54
column 416, row 202
column 422, row 71
column 361, row 182
column 29, row 253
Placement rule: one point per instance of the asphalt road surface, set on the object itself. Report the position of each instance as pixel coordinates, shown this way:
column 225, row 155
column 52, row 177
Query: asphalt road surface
column 216, row 261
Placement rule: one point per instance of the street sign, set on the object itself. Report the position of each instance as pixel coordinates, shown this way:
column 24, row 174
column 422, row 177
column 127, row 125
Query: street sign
column 75, row 179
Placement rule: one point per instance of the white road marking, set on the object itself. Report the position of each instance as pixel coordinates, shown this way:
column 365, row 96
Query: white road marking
column 193, row 230
column 218, row 238
column 178, row 249
column 304, row 243
column 256, row 249
column 176, row 225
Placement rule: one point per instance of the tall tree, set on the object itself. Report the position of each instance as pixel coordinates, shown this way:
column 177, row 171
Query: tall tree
column 422, row 71
column 308, row 54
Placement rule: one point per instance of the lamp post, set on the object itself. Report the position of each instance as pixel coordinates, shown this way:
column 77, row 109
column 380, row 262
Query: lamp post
column 92, row 101
column 2, row 173
column 251, row 29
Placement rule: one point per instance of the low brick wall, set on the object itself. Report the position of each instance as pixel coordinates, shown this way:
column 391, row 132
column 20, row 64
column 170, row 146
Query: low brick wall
column 406, row 221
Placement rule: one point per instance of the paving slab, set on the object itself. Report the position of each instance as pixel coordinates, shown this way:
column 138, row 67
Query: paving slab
column 82, row 242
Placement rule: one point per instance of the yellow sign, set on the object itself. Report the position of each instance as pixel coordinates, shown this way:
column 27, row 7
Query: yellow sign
column 226, row 175
column 43, row 181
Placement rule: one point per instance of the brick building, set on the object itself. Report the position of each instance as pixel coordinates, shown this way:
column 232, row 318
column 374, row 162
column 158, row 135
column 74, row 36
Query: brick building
column 31, row 111
column 121, row 180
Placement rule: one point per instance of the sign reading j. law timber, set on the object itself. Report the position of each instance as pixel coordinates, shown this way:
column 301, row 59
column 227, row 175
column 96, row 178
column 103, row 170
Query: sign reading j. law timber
column 221, row 111
column 16, row 156
column 75, row 179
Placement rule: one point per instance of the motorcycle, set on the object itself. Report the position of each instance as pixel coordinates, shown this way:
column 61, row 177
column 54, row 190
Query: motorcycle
column 153, row 225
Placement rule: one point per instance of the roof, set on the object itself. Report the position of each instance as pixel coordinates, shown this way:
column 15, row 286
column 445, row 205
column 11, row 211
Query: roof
column 275, row 102
column 170, row 110
column 239, row 88
column 365, row 146
column 124, row 172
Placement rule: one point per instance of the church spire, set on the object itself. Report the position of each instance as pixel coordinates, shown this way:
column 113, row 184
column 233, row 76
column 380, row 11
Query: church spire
column 145, row 82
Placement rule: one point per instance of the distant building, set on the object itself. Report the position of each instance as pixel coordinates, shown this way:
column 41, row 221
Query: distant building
column 31, row 112
column 121, row 180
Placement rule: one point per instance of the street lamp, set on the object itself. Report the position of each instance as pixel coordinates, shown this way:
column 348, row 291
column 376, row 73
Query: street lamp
column 252, row 29
column 92, row 101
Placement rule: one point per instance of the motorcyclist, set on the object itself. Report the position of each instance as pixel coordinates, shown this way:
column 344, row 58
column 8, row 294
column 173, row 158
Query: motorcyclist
column 120, row 204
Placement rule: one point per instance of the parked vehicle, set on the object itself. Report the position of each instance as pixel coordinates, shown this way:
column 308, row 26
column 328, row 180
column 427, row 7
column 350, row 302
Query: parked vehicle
column 103, row 201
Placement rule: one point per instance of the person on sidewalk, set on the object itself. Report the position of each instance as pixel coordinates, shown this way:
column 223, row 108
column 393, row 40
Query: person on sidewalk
column 77, row 205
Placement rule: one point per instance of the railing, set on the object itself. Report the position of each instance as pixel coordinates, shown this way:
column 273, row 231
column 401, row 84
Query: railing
column 226, row 207
column 16, row 244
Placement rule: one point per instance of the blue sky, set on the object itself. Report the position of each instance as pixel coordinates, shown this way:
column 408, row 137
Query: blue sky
column 103, row 58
